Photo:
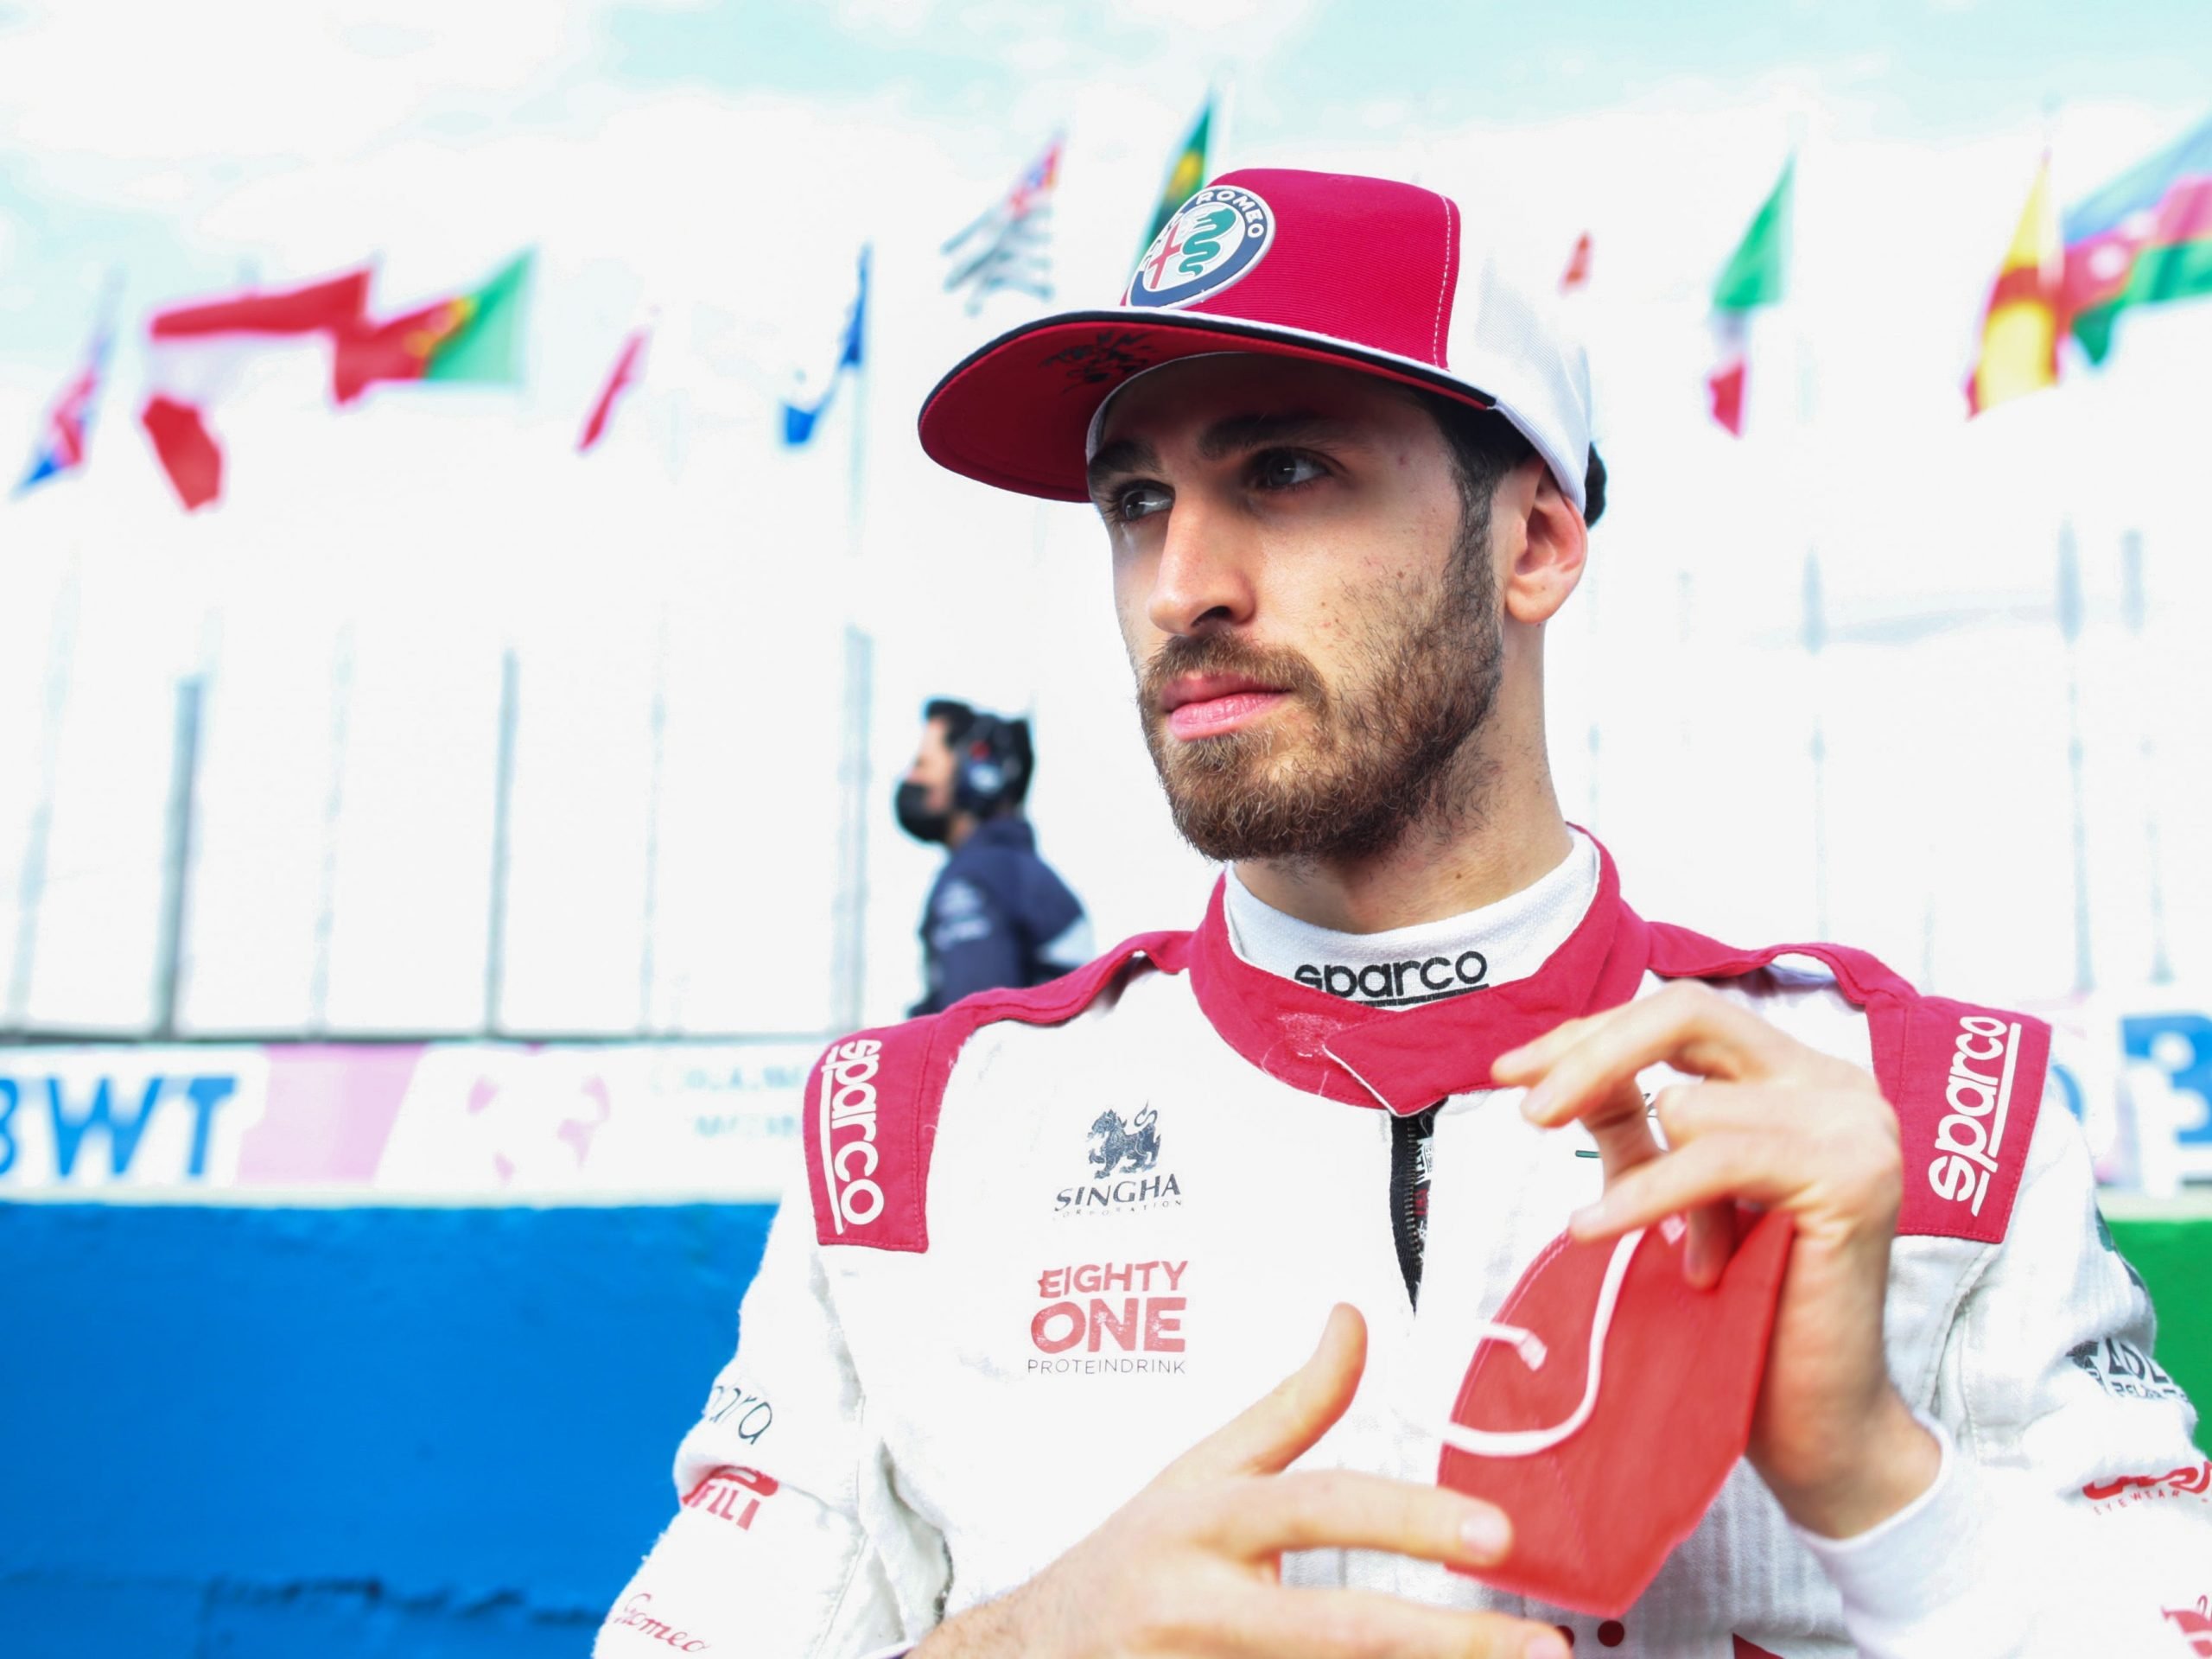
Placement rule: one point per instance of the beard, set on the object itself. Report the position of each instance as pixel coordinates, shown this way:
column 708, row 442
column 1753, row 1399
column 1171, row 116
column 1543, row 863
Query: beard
column 1386, row 750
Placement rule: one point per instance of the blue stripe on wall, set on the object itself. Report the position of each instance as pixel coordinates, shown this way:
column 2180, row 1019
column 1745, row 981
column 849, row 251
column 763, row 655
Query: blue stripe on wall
column 441, row 1434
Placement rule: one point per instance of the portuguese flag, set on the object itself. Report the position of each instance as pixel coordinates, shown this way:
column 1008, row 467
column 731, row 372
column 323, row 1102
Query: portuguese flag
column 472, row 337
column 1185, row 173
column 2019, row 325
column 1755, row 276
column 2143, row 239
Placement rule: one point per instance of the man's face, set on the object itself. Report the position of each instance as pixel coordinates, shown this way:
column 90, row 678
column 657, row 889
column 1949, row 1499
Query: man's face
column 1307, row 601
column 932, row 769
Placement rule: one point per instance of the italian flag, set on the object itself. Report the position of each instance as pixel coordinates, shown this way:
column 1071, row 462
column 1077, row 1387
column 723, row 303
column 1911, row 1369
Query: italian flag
column 1755, row 278
column 196, row 355
column 473, row 337
column 2019, row 325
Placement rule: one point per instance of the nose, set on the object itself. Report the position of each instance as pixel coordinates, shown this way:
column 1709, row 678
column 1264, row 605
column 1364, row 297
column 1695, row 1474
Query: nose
column 1203, row 580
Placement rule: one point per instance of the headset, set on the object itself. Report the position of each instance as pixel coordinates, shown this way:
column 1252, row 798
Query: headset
column 994, row 760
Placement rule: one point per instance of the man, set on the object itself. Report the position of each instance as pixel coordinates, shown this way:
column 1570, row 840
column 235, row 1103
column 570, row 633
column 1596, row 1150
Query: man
column 998, row 916
column 1059, row 1243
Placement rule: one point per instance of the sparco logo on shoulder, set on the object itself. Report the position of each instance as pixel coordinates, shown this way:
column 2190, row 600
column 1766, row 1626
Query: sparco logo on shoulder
column 1214, row 238
column 1979, row 1092
column 848, row 1154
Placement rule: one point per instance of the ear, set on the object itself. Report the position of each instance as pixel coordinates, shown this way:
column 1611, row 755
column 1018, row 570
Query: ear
column 1547, row 540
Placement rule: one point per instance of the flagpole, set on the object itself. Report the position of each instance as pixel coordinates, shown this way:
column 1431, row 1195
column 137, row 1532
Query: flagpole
column 502, row 785
column 2133, row 609
column 657, row 750
column 31, row 882
column 176, row 862
column 2069, row 606
column 341, row 709
column 1816, row 638
column 849, row 931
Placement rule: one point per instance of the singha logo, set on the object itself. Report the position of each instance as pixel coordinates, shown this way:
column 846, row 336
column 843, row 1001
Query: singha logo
column 1118, row 1149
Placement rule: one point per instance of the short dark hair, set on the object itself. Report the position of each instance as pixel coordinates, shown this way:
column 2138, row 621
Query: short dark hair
column 1485, row 446
column 960, row 719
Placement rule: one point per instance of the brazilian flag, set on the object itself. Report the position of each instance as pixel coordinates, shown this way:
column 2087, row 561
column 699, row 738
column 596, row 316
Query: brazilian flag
column 1185, row 175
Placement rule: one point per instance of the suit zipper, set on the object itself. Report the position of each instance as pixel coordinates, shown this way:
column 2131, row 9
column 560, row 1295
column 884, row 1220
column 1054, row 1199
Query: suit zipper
column 1412, row 1139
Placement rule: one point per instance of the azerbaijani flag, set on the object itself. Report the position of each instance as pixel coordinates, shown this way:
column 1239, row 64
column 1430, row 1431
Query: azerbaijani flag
column 2145, row 238
column 474, row 337
column 1755, row 276
column 2019, row 325
column 1185, row 173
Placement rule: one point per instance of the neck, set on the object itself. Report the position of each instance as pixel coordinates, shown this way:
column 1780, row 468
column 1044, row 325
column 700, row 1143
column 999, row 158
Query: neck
column 1504, row 832
column 958, row 829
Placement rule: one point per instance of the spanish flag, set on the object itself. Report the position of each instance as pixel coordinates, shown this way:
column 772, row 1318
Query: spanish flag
column 2019, row 325
column 1185, row 173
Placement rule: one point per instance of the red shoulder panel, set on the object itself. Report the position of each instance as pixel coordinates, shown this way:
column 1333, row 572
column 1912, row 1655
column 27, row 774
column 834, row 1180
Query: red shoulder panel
column 1966, row 1082
column 869, row 1117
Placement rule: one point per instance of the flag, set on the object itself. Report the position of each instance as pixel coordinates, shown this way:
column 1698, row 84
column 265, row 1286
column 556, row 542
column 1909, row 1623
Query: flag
column 799, row 418
column 628, row 365
column 1185, row 175
column 2143, row 239
column 1755, row 278
column 1008, row 240
column 2019, row 325
column 196, row 353
column 1577, row 274
column 474, row 337
column 68, row 427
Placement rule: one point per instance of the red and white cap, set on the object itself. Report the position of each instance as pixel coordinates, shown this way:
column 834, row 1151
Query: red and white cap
column 1367, row 273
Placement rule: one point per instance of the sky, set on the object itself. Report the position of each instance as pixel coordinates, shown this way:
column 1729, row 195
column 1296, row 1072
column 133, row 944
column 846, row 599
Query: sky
column 712, row 169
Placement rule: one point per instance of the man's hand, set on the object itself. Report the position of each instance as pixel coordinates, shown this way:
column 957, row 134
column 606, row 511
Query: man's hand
column 1193, row 1564
column 1784, row 1126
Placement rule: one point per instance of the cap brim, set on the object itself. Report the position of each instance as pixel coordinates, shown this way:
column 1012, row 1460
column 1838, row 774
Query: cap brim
column 1014, row 413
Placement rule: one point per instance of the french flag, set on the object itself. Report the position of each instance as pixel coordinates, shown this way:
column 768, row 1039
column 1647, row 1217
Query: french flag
column 195, row 355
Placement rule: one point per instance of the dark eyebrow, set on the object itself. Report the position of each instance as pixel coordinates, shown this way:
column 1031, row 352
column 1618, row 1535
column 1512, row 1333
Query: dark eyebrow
column 1122, row 455
column 1236, row 434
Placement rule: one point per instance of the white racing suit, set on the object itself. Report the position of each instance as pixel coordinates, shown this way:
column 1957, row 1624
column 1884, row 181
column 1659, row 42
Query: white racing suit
column 1058, row 1236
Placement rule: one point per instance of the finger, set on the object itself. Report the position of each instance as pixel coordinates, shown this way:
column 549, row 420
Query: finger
column 1711, row 1243
column 1721, row 1166
column 1335, row 1623
column 1348, row 1509
column 1531, row 1060
column 1685, row 1025
column 1276, row 1430
column 1620, row 1123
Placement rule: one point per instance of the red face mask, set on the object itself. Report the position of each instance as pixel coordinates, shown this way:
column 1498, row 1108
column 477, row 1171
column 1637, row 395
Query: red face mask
column 1608, row 1404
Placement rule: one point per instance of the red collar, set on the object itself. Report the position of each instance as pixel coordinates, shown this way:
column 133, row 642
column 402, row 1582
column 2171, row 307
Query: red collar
column 1407, row 1058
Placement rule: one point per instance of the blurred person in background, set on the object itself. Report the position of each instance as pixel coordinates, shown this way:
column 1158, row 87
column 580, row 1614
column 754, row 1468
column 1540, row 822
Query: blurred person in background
column 1038, row 1331
column 998, row 915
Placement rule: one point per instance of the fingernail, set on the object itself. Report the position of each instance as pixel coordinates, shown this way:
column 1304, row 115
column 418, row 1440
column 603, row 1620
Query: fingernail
column 1486, row 1534
column 1587, row 1218
column 1547, row 1644
column 1536, row 1104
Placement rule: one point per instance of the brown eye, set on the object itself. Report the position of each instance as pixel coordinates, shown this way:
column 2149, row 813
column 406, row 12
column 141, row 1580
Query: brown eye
column 1137, row 501
column 1286, row 469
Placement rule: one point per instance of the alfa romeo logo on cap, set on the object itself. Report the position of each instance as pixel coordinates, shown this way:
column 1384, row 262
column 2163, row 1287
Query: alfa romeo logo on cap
column 1213, row 240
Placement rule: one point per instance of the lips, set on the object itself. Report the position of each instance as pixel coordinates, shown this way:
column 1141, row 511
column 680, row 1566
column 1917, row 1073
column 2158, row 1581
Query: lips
column 1208, row 705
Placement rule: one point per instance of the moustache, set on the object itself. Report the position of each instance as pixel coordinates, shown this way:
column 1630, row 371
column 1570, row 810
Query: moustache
column 1223, row 653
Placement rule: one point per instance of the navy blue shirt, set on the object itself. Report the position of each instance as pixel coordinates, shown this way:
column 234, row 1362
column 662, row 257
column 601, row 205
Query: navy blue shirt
column 998, row 916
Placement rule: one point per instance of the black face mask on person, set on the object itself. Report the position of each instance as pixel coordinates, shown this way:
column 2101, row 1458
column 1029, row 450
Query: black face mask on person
column 911, row 803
